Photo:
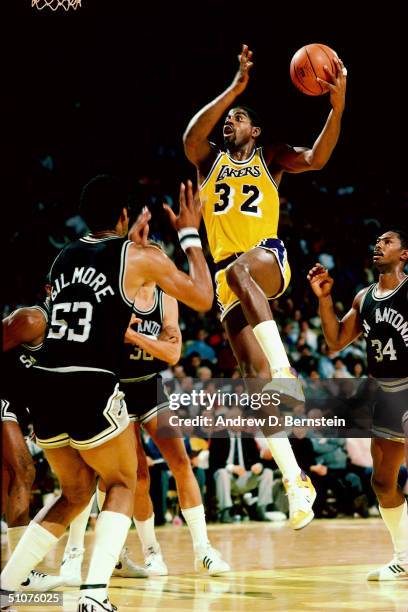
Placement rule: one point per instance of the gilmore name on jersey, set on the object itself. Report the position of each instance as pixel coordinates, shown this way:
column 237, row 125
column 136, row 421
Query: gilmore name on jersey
column 240, row 204
column 88, row 276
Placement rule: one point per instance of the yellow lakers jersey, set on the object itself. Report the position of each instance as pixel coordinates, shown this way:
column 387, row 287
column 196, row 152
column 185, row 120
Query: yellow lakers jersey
column 240, row 204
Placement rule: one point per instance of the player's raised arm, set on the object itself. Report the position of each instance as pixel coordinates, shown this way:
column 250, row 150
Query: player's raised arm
column 285, row 158
column 338, row 334
column 25, row 325
column 194, row 289
column 196, row 146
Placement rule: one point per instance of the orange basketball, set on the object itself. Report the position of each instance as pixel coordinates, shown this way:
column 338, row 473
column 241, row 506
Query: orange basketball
column 307, row 64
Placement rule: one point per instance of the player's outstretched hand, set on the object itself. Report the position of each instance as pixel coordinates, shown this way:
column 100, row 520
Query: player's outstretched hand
column 337, row 84
column 190, row 209
column 245, row 64
column 139, row 232
column 320, row 281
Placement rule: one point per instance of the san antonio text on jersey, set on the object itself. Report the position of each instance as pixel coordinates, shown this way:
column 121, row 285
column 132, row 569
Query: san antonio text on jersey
column 136, row 362
column 385, row 327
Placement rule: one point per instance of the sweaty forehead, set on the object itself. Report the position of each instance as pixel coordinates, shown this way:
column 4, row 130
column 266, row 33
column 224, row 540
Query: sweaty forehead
column 237, row 111
column 388, row 235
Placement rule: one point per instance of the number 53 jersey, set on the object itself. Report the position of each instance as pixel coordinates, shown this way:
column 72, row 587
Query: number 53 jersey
column 384, row 321
column 240, row 204
column 89, row 310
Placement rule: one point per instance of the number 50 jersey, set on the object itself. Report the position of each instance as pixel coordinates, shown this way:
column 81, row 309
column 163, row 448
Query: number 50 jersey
column 240, row 204
column 384, row 321
column 89, row 310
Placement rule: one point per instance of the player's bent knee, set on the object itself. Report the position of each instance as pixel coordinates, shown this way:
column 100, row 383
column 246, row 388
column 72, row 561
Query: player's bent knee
column 237, row 276
column 383, row 487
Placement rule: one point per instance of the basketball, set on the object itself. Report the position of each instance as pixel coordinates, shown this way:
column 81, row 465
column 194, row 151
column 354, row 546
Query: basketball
column 307, row 64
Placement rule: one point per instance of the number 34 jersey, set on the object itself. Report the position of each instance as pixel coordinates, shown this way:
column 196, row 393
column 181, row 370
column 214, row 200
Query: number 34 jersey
column 240, row 204
column 89, row 310
column 385, row 326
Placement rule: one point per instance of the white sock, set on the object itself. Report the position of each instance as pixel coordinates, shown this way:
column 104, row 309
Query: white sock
column 34, row 544
column 283, row 454
column 14, row 535
column 78, row 526
column 268, row 337
column 145, row 531
column 100, row 498
column 396, row 520
column 110, row 535
column 195, row 519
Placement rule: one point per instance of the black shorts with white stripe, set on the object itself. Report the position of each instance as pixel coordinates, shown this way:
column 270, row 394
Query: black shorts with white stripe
column 390, row 410
column 145, row 398
column 79, row 407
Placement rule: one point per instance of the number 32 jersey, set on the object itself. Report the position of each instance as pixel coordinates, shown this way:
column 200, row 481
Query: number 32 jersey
column 240, row 204
column 385, row 327
column 89, row 311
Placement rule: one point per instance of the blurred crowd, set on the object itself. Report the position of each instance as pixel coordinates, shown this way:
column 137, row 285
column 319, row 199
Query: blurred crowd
column 321, row 220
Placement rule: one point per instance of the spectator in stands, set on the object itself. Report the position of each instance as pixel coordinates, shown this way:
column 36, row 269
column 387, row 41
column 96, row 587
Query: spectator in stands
column 237, row 468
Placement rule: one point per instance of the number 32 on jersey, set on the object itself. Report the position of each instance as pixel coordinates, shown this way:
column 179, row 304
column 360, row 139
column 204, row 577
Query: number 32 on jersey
column 227, row 196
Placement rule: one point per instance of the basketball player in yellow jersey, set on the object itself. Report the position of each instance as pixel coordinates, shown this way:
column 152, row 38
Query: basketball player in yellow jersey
column 239, row 195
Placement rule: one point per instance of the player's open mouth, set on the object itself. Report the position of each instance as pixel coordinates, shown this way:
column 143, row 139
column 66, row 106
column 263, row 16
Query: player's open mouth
column 228, row 130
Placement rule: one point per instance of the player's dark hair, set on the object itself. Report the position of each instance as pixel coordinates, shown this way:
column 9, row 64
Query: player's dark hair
column 102, row 201
column 402, row 235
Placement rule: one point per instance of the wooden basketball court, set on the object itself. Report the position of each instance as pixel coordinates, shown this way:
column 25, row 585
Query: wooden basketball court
column 321, row 568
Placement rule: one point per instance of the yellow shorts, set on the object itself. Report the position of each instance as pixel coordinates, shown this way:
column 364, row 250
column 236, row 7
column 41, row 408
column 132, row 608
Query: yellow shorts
column 226, row 298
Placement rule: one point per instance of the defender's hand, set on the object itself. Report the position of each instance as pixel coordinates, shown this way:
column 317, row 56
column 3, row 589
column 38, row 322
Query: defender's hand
column 131, row 334
column 242, row 77
column 190, row 209
column 139, row 232
column 320, row 281
column 337, row 84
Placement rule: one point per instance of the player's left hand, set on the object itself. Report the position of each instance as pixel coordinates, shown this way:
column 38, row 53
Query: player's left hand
column 139, row 232
column 131, row 335
column 337, row 83
column 190, row 209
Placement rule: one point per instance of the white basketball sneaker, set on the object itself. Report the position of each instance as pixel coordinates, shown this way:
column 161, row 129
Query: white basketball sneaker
column 154, row 562
column 301, row 494
column 209, row 561
column 36, row 581
column 89, row 604
column 393, row 571
column 286, row 382
column 71, row 566
column 126, row 568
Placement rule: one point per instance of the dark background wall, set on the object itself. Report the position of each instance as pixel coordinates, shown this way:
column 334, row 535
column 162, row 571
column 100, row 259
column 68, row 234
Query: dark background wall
column 112, row 86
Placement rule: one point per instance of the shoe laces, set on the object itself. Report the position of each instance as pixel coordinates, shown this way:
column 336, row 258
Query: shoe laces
column 210, row 551
column 151, row 553
column 36, row 574
column 73, row 553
